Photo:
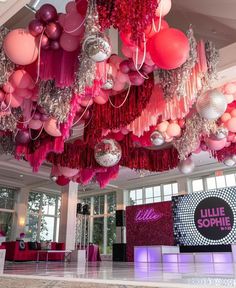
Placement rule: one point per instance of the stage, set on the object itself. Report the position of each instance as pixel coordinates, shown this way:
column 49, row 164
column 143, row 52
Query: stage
column 108, row 274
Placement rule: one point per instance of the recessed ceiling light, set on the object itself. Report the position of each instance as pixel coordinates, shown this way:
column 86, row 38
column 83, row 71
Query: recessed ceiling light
column 21, row 175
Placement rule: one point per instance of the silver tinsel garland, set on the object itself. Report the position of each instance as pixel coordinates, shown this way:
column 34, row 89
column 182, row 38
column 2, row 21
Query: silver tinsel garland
column 7, row 145
column 173, row 82
column 56, row 101
column 212, row 57
column 8, row 122
column 190, row 140
column 6, row 66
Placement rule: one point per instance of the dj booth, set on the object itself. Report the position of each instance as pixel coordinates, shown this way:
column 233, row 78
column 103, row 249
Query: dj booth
column 198, row 227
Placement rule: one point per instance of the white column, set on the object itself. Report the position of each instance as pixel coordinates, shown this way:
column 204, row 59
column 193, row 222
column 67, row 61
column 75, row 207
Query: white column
column 183, row 185
column 20, row 215
column 67, row 231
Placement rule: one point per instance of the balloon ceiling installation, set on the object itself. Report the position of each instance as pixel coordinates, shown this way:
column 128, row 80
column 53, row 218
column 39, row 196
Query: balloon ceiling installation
column 148, row 108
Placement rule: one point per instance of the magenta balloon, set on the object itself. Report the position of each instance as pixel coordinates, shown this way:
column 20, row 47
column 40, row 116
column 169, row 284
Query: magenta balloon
column 131, row 65
column 147, row 68
column 70, row 6
column 124, row 67
column 41, row 110
column 45, row 44
column 48, row 13
column 135, row 78
column 53, row 30
column 74, row 24
column 44, row 117
column 55, row 45
column 37, row 116
column 69, row 43
column 35, row 27
column 22, row 137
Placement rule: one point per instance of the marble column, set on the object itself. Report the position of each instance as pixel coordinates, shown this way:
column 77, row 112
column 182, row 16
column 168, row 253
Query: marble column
column 67, row 230
column 20, row 215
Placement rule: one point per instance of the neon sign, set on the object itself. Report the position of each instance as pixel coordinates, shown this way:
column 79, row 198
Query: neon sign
column 146, row 215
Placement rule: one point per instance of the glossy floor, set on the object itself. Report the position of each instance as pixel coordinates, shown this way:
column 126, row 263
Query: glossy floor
column 159, row 275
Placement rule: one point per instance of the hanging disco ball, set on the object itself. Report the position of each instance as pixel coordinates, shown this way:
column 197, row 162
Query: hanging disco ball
column 53, row 178
column 229, row 161
column 211, row 105
column 221, row 133
column 186, row 166
column 109, row 84
column 97, row 47
column 107, row 153
column 157, row 138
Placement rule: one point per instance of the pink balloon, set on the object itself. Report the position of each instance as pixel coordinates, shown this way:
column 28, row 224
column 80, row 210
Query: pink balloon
column 216, row 145
column 21, row 47
column 230, row 136
column 227, row 144
column 23, row 93
column 68, row 172
column 233, row 113
column 121, row 77
column 138, row 57
column 13, row 101
column 197, row 151
column 127, row 51
column 112, row 70
column 173, row 130
column 35, row 124
column 163, row 8
column 162, row 127
column 116, row 60
column 118, row 86
column 71, row 7
column 50, row 126
column 102, row 98
column 74, row 24
column 225, row 117
column 2, row 95
column 61, row 19
column 231, row 124
column 86, row 101
column 21, row 79
column 148, row 59
column 230, row 88
column 229, row 98
column 69, row 43
column 8, row 87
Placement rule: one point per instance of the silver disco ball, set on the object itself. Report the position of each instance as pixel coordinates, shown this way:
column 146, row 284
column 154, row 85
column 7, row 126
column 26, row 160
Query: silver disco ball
column 109, row 84
column 157, row 138
column 221, row 133
column 97, row 47
column 229, row 161
column 107, row 153
column 211, row 105
column 186, row 166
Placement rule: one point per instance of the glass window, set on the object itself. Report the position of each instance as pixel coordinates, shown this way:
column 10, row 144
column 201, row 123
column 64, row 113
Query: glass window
column 157, row 191
column 111, row 233
column 111, row 202
column 230, row 180
column 99, row 205
column 149, row 192
column 167, row 189
column 139, row 194
column 6, row 223
column 157, row 199
column 220, row 181
column 197, row 185
column 175, row 188
column 98, row 232
column 32, row 227
column 211, row 183
column 149, row 200
column 47, row 228
column 7, row 198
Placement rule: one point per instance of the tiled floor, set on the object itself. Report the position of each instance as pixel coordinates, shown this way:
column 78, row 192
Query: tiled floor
column 157, row 275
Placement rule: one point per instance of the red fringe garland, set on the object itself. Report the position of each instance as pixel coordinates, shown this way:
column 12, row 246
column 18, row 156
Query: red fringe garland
column 80, row 155
column 225, row 152
column 107, row 117
column 128, row 16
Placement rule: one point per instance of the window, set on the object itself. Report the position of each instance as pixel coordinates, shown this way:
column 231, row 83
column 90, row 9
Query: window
column 43, row 217
column 7, row 202
column 102, row 226
column 213, row 182
column 157, row 193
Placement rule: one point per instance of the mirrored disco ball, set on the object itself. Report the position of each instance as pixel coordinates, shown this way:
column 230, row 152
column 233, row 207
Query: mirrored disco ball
column 211, row 105
column 97, row 48
column 157, row 138
column 229, row 161
column 221, row 133
column 186, row 166
column 107, row 153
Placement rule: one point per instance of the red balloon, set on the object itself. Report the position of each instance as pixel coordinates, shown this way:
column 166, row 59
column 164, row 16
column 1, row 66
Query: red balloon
column 55, row 45
column 82, row 6
column 53, row 30
column 135, row 78
column 169, row 48
column 152, row 29
column 124, row 66
column 62, row 180
column 45, row 44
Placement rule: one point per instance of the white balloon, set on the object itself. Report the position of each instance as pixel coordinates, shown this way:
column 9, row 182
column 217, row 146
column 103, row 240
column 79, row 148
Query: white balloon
column 186, row 166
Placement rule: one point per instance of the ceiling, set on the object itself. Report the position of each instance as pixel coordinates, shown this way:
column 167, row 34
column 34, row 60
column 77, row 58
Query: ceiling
column 214, row 20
